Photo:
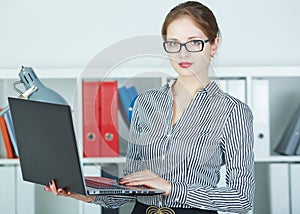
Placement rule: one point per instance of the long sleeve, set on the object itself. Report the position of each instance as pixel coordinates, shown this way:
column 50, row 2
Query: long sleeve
column 239, row 159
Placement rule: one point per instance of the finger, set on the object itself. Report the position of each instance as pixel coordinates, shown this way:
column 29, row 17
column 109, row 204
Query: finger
column 140, row 183
column 136, row 176
column 53, row 187
column 47, row 189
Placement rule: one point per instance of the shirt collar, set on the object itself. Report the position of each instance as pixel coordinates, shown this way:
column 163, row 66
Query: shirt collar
column 211, row 88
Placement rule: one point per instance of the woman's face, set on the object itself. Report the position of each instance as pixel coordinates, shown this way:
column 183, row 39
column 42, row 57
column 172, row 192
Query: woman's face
column 187, row 63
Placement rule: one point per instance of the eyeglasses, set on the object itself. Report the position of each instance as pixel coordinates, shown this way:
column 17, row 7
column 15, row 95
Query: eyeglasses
column 190, row 46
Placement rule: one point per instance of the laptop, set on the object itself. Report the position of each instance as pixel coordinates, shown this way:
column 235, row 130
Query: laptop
column 48, row 150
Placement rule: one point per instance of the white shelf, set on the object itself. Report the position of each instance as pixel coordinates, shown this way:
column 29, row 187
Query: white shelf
column 154, row 72
column 269, row 71
column 103, row 160
column 279, row 159
column 117, row 160
column 5, row 161
column 85, row 161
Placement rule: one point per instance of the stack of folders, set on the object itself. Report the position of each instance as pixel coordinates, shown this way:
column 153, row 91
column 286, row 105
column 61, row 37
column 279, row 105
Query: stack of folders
column 290, row 141
column 100, row 118
column 8, row 136
column 127, row 98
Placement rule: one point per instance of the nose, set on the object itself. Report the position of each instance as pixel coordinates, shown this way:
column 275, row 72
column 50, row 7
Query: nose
column 184, row 52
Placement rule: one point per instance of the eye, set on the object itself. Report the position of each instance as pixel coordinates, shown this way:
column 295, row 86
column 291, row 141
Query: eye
column 195, row 42
column 172, row 44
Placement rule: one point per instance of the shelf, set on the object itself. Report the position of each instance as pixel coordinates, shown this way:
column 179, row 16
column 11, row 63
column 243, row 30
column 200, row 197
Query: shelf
column 279, row 159
column 5, row 161
column 117, row 160
column 85, row 161
column 154, row 72
column 103, row 160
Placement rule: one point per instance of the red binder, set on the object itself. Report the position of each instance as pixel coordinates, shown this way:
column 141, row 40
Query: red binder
column 108, row 119
column 6, row 138
column 100, row 119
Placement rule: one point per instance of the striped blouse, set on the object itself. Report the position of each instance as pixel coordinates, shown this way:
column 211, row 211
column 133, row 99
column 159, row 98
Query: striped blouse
column 215, row 129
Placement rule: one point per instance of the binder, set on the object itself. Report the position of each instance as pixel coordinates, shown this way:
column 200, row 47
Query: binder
column 11, row 132
column 90, row 115
column 289, row 142
column 6, row 138
column 295, row 188
column 8, row 202
column 25, row 194
column 237, row 88
column 108, row 119
column 125, row 100
column 279, row 188
column 133, row 95
column 100, row 119
column 260, row 109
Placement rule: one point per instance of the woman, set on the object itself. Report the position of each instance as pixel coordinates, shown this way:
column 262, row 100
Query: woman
column 182, row 133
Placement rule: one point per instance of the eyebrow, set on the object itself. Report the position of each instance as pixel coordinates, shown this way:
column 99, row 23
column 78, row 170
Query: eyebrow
column 189, row 38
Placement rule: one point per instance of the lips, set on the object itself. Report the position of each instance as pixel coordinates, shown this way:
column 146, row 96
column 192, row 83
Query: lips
column 185, row 64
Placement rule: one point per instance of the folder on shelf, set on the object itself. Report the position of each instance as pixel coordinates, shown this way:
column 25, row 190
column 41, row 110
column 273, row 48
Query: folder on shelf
column 124, row 99
column 100, row 119
column 289, row 143
column 279, row 188
column 6, row 138
column 127, row 98
column 108, row 119
column 11, row 132
column 295, row 187
column 133, row 95
column 261, row 124
column 237, row 88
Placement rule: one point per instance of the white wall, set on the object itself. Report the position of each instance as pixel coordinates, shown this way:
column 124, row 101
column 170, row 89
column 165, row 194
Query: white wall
column 70, row 33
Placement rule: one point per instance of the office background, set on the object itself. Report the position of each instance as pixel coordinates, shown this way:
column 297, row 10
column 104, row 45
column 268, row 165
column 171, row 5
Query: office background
column 68, row 34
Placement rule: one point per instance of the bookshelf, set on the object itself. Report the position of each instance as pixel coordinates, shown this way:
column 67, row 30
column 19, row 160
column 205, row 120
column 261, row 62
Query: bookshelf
column 284, row 96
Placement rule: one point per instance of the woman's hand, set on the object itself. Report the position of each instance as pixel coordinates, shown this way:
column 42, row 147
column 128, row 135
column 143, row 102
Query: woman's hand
column 61, row 192
column 147, row 178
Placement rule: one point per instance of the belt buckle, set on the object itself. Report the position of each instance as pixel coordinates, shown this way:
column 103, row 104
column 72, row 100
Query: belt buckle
column 162, row 210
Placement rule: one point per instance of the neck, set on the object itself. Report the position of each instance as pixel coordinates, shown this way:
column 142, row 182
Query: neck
column 190, row 84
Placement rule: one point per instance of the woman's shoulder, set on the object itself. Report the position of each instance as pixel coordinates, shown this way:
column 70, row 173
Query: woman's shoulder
column 234, row 101
column 153, row 91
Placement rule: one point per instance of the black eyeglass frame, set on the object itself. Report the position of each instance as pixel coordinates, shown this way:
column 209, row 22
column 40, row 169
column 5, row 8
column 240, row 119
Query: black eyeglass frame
column 184, row 44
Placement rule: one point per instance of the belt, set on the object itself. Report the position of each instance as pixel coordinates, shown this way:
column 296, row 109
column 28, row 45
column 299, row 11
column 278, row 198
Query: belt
column 140, row 208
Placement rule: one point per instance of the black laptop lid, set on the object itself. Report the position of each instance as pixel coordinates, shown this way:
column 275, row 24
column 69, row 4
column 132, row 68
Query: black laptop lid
column 46, row 144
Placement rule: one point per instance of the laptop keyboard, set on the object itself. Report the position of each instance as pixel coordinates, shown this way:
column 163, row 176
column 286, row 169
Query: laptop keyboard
column 99, row 185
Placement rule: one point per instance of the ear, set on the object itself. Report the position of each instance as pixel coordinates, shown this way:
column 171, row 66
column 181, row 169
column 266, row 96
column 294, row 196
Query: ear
column 214, row 47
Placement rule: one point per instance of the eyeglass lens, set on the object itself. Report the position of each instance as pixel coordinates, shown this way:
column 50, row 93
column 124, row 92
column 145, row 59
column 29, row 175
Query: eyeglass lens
column 191, row 46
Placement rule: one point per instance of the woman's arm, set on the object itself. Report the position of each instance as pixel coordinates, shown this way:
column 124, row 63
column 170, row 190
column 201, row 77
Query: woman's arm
column 238, row 195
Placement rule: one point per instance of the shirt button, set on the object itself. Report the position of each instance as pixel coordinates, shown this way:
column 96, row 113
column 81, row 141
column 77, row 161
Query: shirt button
column 163, row 157
column 168, row 135
column 176, row 199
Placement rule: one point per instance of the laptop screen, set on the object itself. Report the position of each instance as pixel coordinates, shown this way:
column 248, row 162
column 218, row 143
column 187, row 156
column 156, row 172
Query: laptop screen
column 46, row 144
